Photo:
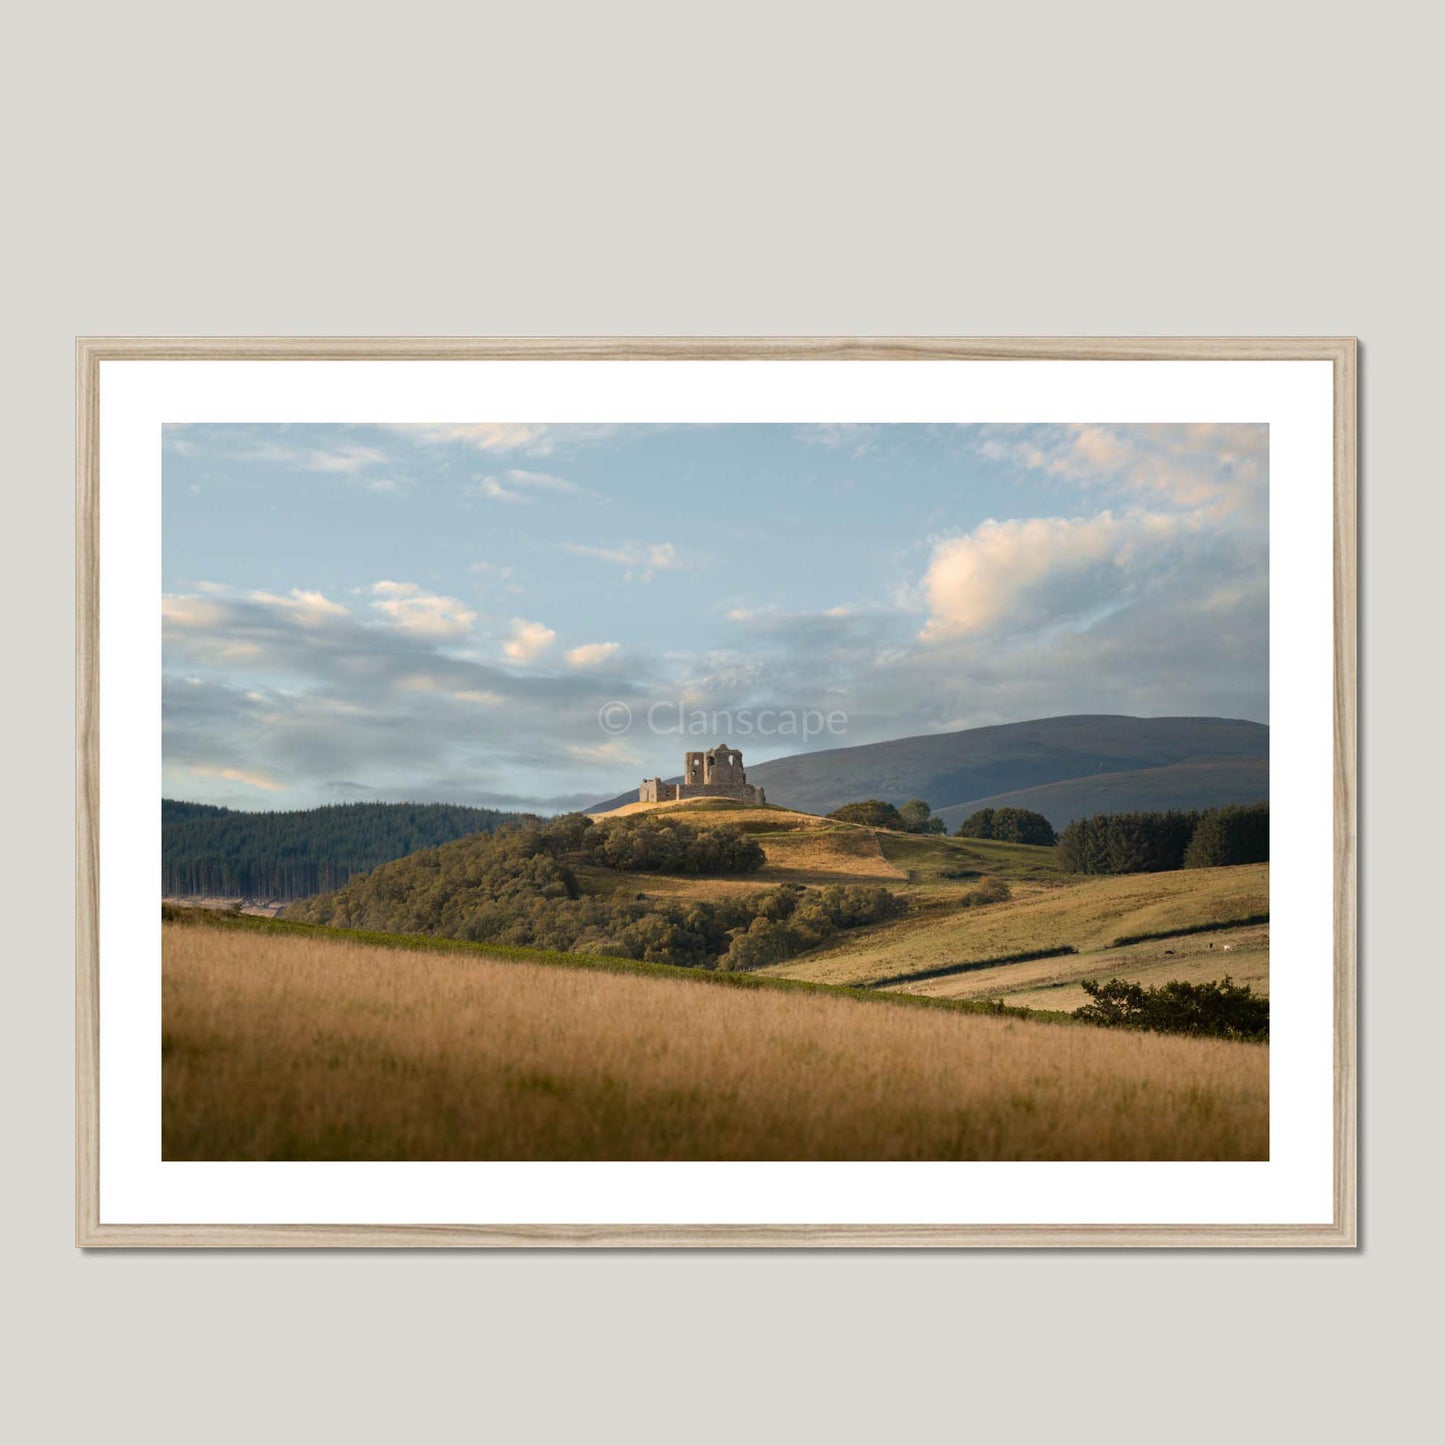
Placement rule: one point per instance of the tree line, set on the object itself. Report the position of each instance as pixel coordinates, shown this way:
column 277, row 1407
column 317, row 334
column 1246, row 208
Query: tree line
column 221, row 852
column 1161, row 842
column 1007, row 825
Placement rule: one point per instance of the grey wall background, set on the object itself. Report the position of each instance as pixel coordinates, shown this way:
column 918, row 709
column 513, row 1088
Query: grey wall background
column 831, row 169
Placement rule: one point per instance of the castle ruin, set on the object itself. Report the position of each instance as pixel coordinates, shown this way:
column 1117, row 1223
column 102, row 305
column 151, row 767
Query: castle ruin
column 716, row 773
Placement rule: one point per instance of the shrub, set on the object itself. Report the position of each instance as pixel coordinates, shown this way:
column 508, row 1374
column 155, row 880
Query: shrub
column 815, row 915
column 1218, row 1009
column 989, row 890
column 765, row 941
column 851, row 905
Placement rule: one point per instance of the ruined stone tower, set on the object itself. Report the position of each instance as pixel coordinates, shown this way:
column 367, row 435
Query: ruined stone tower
column 716, row 773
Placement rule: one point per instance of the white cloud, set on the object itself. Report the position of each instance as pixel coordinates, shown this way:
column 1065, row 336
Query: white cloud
column 182, row 611
column 772, row 618
column 1217, row 467
column 486, row 436
column 519, row 485
column 1100, row 448
column 427, row 614
column 529, row 640
column 349, row 461
column 494, row 491
column 642, row 560
column 345, row 460
column 1039, row 571
column 530, row 438
column 593, row 654
column 310, row 609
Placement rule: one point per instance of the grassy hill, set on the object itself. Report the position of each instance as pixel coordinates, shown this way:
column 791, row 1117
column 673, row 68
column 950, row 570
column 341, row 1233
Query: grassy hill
column 1054, row 984
column 290, row 1044
column 221, row 852
column 948, row 769
column 1083, row 915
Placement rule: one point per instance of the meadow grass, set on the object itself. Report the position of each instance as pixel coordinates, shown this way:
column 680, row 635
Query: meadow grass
column 1087, row 914
column 293, row 1043
column 928, row 858
column 231, row 920
column 1055, row 984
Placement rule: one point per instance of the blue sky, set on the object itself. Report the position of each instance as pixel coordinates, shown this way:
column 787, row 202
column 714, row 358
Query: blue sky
column 440, row 612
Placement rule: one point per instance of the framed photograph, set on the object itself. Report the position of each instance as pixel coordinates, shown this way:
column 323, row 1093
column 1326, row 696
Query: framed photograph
column 716, row 792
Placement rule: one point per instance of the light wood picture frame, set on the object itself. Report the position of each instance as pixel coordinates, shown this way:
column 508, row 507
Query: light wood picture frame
column 93, row 1231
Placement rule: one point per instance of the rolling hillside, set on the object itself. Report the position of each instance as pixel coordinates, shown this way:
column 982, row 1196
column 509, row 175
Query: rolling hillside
column 1218, row 760
column 1088, row 916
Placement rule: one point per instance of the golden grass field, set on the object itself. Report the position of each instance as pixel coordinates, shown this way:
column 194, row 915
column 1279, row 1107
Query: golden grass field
column 1053, row 983
column 289, row 1046
column 1088, row 913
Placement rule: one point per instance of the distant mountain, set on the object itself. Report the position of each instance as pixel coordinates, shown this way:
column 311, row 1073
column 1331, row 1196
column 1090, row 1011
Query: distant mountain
column 1186, row 786
column 224, row 853
column 970, row 768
